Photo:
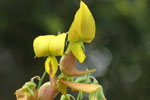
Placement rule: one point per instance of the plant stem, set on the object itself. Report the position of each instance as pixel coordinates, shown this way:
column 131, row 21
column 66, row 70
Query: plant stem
column 78, row 98
column 80, row 95
column 41, row 80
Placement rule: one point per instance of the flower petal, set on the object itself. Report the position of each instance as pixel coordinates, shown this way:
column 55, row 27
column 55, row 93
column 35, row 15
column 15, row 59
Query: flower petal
column 51, row 62
column 81, row 86
column 68, row 65
column 47, row 64
column 77, row 51
column 41, row 45
column 56, row 45
column 49, row 45
column 83, row 26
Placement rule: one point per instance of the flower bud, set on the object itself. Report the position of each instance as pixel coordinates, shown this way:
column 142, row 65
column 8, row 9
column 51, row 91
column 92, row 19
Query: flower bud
column 47, row 92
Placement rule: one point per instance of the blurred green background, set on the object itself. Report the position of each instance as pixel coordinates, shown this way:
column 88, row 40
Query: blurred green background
column 120, row 50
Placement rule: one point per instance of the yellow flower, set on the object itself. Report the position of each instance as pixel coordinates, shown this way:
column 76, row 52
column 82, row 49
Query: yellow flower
column 51, row 46
column 81, row 30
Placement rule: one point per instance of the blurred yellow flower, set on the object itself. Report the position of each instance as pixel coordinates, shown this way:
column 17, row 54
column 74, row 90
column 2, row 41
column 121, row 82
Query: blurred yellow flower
column 81, row 30
column 51, row 46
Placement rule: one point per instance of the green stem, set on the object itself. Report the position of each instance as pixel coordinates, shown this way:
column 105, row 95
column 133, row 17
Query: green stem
column 72, row 97
column 80, row 95
column 41, row 80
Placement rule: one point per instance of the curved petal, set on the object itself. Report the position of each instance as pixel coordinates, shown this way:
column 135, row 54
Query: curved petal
column 77, row 51
column 47, row 64
column 68, row 65
column 54, row 65
column 81, row 86
column 51, row 62
column 83, row 26
column 56, row 45
column 41, row 45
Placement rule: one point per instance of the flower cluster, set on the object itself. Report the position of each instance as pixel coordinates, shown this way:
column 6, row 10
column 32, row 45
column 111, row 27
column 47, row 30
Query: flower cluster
column 81, row 31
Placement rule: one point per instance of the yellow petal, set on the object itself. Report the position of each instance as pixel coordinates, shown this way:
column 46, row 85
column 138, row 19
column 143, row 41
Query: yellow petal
column 83, row 26
column 54, row 65
column 88, row 88
column 56, row 45
column 77, row 51
column 51, row 61
column 49, row 45
column 41, row 45
column 48, row 64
